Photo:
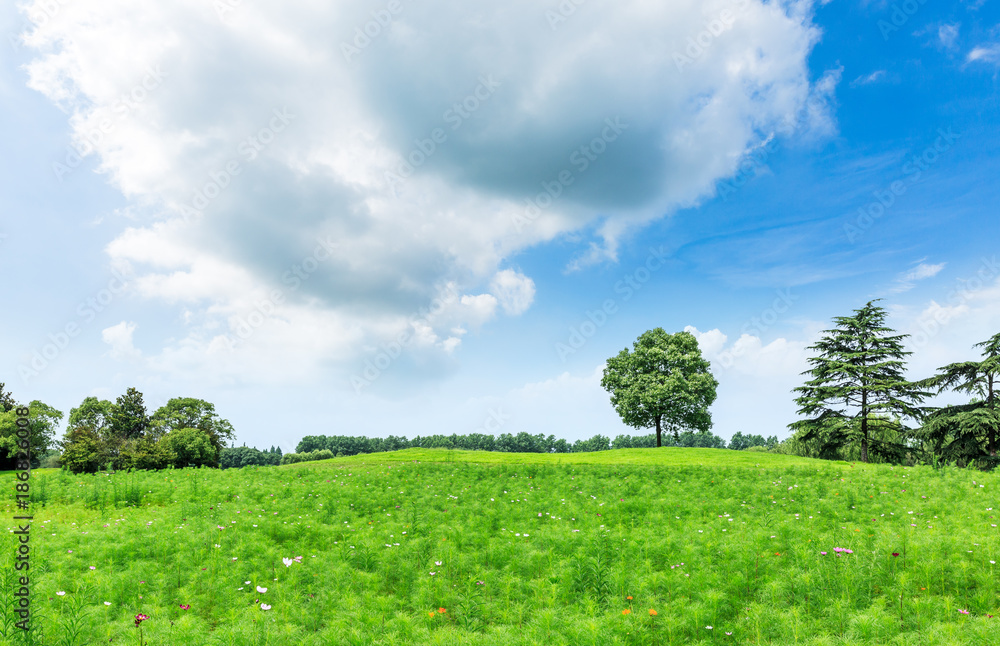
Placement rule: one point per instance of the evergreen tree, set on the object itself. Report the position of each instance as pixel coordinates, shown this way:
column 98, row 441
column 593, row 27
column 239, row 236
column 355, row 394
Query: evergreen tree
column 129, row 420
column 858, row 377
column 967, row 432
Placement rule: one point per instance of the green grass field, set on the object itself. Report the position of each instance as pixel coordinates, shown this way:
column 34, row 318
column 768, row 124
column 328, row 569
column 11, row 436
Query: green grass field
column 639, row 546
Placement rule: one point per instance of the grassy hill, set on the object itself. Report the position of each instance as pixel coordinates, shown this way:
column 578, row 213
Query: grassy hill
column 636, row 546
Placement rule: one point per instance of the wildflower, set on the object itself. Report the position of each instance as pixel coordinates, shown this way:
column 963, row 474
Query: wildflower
column 895, row 553
column 433, row 573
column 431, row 613
column 264, row 606
column 480, row 582
column 261, row 590
column 823, row 553
column 652, row 613
column 107, row 603
column 708, row 628
column 437, row 563
column 92, row 567
column 139, row 618
column 629, row 597
column 964, row 612
column 626, row 611
column 185, row 606
column 442, row 610
column 729, row 633
column 287, row 562
column 61, row 593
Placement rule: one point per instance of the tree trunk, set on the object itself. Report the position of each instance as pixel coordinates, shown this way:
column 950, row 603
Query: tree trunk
column 864, row 426
column 992, row 442
column 658, row 431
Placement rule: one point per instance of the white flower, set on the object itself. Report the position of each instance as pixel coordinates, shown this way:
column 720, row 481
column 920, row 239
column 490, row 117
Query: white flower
column 287, row 562
column 60, row 593
column 437, row 562
column 708, row 628
column 264, row 606
column 261, row 590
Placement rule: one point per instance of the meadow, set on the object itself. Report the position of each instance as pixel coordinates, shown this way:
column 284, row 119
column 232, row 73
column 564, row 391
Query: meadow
column 635, row 546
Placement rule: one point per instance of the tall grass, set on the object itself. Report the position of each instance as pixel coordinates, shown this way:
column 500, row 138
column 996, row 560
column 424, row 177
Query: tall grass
column 452, row 547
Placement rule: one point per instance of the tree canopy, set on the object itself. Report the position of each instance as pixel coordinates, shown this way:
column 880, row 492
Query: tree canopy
column 857, row 384
column 663, row 382
column 967, row 432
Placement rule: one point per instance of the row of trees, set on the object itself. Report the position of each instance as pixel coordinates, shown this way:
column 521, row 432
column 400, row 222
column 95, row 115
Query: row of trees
column 245, row 456
column 340, row 445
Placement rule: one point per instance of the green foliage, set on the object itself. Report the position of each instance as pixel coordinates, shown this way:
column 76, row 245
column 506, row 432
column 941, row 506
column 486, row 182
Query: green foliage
column 191, row 447
column 857, row 377
column 741, row 442
column 129, row 420
column 7, row 402
column 81, row 450
column 188, row 412
column 244, row 456
column 144, row 453
column 663, row 382
column 42, row 423
column 967, row 433
column 95, row 414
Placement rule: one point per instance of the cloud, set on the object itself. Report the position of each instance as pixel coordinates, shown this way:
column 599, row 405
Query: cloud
column 874, row 77
column 514, row 291
column 948, row 34
column 357, row 171
column 906, row 280
column 119, row 337
column 985, row 54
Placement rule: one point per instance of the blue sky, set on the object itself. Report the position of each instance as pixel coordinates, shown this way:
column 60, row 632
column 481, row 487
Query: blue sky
column 460, row 215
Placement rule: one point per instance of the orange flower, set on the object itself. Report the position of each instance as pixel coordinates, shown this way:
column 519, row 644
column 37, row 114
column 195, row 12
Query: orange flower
column 432, row 613
column 442, row 610
column 629, row 597
column 626, row 611
column 652, row 613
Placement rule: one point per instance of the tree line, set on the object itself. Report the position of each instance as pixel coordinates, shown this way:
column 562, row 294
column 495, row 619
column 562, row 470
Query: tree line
column 340, row 445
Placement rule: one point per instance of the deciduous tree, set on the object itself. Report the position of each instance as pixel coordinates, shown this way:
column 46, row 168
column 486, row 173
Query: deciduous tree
column 663, row 382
